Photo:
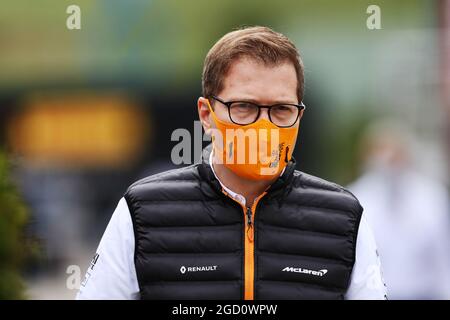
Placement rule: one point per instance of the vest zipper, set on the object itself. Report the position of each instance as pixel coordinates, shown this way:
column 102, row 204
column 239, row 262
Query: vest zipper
column 249, row 256
column 249, row 246
column 250, row 232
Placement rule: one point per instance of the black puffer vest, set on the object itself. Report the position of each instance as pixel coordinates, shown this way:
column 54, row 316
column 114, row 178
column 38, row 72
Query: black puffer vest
column 191, row 237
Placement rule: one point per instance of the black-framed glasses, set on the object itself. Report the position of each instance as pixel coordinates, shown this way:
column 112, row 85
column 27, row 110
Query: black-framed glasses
column 282, row 115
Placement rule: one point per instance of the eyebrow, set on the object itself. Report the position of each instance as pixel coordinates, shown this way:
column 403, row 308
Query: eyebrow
column 257, row 102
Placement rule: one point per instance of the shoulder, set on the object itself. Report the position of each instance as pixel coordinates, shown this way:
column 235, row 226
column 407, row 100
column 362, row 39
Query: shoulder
column 175, row 180
column 303, row 179
column 328, row 191
column 309, row 180
column 184, row 173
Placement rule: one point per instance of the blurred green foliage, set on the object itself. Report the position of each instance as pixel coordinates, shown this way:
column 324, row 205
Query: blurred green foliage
column 13, row 218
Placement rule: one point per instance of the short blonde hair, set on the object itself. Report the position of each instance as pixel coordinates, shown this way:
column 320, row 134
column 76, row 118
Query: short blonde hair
column 258, row 43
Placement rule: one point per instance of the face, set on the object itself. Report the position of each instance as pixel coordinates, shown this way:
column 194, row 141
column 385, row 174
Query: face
column 249, row 80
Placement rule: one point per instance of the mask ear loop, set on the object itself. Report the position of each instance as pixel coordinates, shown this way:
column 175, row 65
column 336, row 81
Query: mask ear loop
column 211, row 110
column 216, row 120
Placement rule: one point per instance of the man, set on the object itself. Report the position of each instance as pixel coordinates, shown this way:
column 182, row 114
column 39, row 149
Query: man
column 242, row 224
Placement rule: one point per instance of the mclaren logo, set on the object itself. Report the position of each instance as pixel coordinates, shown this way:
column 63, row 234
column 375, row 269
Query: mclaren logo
column 319, row 273
column 184, row 269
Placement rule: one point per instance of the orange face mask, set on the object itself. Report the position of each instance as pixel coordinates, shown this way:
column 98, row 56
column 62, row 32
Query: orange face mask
column 257, row 151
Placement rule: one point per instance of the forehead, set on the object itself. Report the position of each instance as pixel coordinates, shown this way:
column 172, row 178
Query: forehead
column 251, row 79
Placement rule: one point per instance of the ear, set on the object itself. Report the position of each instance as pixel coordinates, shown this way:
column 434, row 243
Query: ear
column 204, row 114
column 300, row 115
